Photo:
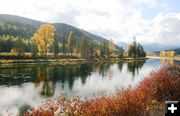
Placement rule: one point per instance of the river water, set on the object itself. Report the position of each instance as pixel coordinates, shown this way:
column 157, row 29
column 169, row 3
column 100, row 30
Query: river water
column 24, row 85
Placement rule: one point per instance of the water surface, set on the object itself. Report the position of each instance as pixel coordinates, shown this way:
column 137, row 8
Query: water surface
column 24, row 85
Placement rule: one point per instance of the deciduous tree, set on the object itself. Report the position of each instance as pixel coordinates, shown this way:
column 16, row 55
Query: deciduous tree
column 71, row 42
column 44, row 38
column 111, row 47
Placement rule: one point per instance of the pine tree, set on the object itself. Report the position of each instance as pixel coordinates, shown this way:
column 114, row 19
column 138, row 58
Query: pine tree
column 130, row 50
column 56, row 47
column 84, row 47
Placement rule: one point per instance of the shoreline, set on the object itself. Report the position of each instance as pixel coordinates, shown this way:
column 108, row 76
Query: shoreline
column 165, row 58
column 68, row 61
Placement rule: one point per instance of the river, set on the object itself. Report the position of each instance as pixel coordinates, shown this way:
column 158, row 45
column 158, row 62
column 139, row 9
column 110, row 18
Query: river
column 23, row 85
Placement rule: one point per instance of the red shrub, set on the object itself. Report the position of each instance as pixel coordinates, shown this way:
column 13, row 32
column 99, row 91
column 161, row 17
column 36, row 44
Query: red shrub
column 163, row 84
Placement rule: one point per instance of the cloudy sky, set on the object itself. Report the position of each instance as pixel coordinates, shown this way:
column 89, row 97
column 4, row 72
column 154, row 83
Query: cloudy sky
column 151, row 21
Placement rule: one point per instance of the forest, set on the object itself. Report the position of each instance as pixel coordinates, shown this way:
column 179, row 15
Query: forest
column 27, row 41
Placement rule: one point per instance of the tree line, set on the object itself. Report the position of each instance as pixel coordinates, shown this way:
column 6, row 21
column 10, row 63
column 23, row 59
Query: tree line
column 45, row 41
column 136, row 50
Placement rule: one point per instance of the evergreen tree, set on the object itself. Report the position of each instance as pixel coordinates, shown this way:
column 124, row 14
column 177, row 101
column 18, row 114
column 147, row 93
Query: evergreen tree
column 121, row 52
column 134, row 48
column 84, row 47
column 34, row 50
column 130, row 50
column 56, row 47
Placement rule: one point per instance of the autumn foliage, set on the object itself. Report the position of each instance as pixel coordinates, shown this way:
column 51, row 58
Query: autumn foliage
column 146, row 99
column 44, row 38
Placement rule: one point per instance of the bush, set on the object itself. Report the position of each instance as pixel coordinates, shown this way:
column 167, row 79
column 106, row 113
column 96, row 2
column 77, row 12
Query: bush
column 162, row 85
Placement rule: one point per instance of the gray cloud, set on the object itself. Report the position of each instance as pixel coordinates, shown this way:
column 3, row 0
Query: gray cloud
column 68, row 17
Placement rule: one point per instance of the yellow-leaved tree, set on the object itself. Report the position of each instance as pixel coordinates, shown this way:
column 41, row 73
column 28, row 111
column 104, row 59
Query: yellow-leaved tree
column 44, row 38
column 163, row 53
column 70, row 42
column 111, row 46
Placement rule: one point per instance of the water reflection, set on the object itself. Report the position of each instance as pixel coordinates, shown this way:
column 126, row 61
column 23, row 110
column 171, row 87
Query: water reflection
column 135, row 66
column 102, row 68
column 169, row 61
column 46, row 76
column 29, row 84
column 23, row 109
column 44, row 85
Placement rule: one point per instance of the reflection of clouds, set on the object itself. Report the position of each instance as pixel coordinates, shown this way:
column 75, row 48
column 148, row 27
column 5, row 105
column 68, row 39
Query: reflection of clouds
column 16, row 96
column 118, row 79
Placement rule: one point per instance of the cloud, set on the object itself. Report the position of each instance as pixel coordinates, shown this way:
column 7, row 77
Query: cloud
column 118, row 19
column 163, row 29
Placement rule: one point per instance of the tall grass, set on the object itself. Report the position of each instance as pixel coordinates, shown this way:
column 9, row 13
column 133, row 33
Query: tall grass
column 146, row 99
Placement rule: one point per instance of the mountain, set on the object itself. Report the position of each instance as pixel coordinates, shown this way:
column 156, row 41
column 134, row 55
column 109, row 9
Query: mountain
column 177, row 50
column 19, row 19
column 122, row 44
column 25, row 27
column 152, row 47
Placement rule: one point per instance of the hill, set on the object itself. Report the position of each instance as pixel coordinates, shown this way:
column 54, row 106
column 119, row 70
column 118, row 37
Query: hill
column 24, row 27
column 177, row 50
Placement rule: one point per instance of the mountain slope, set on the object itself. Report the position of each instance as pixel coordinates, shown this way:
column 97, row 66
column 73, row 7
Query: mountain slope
column 177, row 50
column 19, row 19
column 152, row 47
column 24, row 27
column 157, row 47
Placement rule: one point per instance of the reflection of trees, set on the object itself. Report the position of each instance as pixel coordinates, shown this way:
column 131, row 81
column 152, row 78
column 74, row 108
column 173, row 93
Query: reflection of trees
column 45, row 85
column 134, row 67
column 45, row 76
column 120, row 66
column 14, row 74
column 68, row 73
column 102, row 68
column 170, row 61
column 85, row 70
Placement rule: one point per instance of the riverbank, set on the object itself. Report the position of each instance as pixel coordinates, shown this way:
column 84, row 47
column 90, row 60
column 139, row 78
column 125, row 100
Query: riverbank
column 69, row 61
column 148, row 98
column 166, row 58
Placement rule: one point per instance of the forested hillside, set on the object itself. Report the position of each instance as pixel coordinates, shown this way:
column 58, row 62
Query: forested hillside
column 177, row 50
column 19, row 35
column 15, row 29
